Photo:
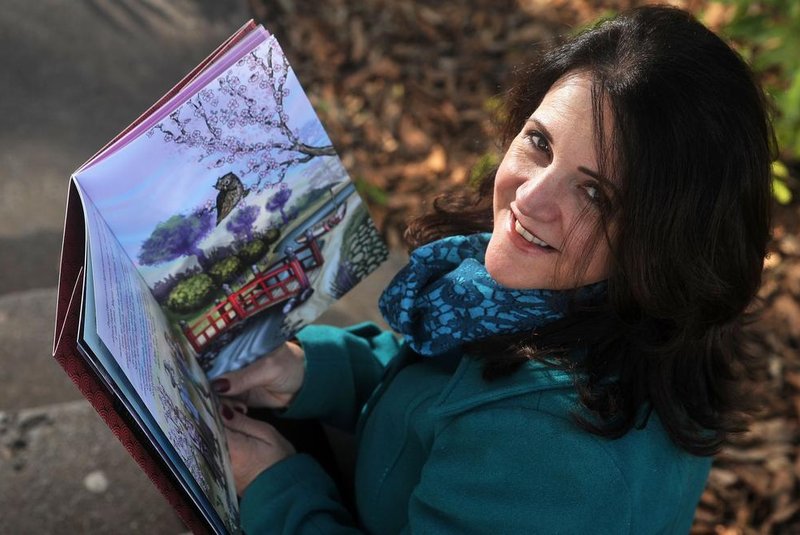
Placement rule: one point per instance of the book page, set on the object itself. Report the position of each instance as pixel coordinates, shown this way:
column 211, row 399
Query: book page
column 151, row 368
column 237, row 212
column 97, row 354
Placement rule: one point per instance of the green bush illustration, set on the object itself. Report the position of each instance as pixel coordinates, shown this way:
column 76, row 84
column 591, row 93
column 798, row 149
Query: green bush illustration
column 191, row 294
column 271, row 236
column 226, row 269
column 252, row 251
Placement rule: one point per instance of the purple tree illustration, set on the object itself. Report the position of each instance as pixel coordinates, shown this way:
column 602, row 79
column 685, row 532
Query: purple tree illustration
column 241, row 224
column 277, row 203
column 177, row 236
column 243, row 120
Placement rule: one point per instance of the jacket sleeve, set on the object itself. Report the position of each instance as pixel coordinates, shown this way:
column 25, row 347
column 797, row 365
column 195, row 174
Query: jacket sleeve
column 294, row 497
column 343, row 367
column 487, row 472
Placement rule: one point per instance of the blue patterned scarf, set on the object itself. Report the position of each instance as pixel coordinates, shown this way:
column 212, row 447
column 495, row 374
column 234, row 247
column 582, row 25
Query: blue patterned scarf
column 444, row 297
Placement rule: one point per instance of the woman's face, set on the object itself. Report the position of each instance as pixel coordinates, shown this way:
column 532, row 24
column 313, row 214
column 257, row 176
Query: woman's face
column 547, row 179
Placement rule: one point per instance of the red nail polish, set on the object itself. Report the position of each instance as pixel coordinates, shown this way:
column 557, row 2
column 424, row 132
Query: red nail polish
column 221, row 386
column 227, row 413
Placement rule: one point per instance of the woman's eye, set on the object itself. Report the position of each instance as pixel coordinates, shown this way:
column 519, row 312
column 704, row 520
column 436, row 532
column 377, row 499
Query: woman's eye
column 539, row 141
column 593, row 193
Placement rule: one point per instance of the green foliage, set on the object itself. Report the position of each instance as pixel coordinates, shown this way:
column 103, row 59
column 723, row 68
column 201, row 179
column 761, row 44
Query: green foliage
column 485, row 164
column 372, row 192
column 603, row 15
column 780, row 190
column 494, row 106
column 767, row 34
column 191, row 294
column 398, row 91
column 252, row 251
column 225, row 270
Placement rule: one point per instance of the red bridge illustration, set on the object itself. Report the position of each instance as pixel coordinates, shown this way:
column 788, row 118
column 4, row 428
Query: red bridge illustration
column 283, row 281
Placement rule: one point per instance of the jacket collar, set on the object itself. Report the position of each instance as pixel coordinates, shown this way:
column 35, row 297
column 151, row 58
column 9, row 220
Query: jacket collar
column 467, row 388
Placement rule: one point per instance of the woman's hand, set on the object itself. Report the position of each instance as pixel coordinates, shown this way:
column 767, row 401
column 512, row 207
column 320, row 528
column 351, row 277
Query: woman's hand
column 271, row 381
column 254, row 446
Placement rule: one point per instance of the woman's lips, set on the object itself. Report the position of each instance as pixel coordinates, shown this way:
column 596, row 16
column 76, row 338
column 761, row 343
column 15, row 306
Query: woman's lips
column 531, row 237
column 525, row 239
column 519, row 230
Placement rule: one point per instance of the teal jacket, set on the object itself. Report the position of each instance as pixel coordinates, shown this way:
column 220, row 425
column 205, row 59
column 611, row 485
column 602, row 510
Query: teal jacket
column 440, row 450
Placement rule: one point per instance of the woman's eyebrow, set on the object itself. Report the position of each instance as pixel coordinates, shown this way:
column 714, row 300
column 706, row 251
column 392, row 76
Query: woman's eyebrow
column 602, row 180
column 593, row 174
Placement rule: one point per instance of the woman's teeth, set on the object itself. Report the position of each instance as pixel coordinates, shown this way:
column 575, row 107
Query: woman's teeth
column 528, row 236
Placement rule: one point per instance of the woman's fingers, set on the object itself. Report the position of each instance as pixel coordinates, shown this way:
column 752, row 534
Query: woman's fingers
column 237, row 382
column 236, row 405
column 254, row 446
column 242, row 423
column 271, row 381
column 248, row 459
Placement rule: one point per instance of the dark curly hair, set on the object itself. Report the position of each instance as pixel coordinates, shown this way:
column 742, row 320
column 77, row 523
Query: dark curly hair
column 691, row 145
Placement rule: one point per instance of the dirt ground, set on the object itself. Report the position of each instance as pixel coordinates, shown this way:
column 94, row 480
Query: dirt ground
column 408, row 91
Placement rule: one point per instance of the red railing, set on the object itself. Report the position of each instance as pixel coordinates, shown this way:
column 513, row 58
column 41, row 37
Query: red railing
column 277, row 283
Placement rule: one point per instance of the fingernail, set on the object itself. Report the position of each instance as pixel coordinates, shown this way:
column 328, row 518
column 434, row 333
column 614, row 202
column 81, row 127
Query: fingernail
column 221, row 386
column 239, row 408
column 227, row 413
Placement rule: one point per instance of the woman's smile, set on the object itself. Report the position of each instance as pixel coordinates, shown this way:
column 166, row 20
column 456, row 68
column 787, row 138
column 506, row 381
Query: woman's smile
column 532, row 243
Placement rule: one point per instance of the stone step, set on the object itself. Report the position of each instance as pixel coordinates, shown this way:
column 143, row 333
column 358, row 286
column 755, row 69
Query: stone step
column 29, row 374
column 63, row 471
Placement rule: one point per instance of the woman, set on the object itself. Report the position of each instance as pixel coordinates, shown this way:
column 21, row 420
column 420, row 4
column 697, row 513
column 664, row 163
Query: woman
column 573, row 370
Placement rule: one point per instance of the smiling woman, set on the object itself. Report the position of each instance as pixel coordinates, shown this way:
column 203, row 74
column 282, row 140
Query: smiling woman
column 639, row 150
column 571, row 351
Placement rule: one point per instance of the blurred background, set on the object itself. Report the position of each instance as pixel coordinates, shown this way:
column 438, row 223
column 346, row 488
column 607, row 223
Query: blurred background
column 408, row 91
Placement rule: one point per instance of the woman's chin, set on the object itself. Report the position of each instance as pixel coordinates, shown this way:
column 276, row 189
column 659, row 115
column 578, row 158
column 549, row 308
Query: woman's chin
column 500, row 269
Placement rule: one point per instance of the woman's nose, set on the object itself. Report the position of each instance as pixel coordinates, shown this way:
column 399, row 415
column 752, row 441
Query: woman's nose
column 539, row 197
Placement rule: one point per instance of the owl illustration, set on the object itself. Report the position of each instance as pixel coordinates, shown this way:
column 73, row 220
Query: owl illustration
column 231, row 191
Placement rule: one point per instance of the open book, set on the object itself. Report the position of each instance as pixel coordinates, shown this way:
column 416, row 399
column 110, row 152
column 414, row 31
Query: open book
column 203, row 236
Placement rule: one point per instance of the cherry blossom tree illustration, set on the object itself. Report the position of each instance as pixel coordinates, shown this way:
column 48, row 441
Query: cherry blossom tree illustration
column 241, row 224
column 242, row 121
column 277, row 203
column 177, row 236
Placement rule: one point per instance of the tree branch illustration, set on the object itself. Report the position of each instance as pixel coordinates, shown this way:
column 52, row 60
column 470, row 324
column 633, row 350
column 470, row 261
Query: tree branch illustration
column 214, row 122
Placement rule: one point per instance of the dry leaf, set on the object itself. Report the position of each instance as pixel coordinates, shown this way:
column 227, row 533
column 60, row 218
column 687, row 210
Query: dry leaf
column 436, row 162
column 790, row 245
column 786, row 310
column 413, row 139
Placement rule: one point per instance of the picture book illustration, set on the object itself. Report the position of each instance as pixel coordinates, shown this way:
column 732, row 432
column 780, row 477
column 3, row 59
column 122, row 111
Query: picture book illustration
column 237, row 213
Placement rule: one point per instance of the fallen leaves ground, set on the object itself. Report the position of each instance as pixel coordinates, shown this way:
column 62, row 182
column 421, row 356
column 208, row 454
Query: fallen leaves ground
column 408, row 90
